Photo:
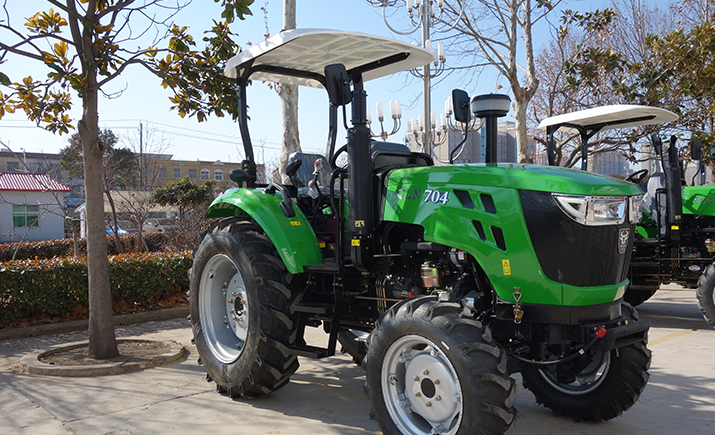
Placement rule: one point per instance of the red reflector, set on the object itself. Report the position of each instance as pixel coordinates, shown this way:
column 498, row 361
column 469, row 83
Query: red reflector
column 600, row 331
column 412, row 294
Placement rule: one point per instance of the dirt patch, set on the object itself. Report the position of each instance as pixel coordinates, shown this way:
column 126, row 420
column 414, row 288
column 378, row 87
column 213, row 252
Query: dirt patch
column 129, row 351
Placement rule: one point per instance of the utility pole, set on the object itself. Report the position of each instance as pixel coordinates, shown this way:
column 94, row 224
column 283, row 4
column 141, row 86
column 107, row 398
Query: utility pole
column 289, row 97
column 141, row 157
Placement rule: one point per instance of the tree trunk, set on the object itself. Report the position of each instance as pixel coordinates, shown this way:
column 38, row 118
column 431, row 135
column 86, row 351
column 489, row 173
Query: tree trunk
column 522, row 139
column 102, row 340
column 289, row 108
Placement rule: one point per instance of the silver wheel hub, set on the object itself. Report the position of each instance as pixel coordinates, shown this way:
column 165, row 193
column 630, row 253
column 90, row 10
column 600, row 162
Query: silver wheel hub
column 223, row 308
column 421, row 388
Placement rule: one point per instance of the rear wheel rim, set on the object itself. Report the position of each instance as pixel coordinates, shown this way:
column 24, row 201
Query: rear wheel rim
column 587, row 380
column 421, row 388
column 223, row 308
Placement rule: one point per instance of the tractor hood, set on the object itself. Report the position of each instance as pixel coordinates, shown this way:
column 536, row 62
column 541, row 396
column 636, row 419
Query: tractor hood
column 699, row 200
column 517, row 176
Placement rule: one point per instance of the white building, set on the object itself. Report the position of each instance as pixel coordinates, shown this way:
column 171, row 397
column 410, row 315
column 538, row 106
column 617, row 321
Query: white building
column 31, row 207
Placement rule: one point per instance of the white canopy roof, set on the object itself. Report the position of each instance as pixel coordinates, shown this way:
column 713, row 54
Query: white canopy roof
column 310, row 50
column 614, row 116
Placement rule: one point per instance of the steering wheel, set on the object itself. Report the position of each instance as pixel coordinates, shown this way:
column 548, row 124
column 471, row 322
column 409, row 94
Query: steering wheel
column 638, row 176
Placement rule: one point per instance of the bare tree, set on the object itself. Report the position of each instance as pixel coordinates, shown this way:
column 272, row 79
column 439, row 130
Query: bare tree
column 500, row 31
column 289, row 100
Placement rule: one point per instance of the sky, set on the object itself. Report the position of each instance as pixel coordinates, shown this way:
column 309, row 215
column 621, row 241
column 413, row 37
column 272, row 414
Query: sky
column 138, row 98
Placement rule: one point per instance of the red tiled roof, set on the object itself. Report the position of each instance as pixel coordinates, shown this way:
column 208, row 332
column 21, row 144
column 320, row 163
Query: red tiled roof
column 11, row 181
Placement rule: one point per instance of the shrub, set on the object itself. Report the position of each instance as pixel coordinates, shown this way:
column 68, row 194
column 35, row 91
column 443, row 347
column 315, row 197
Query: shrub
column 155, row 242
column 57, row 286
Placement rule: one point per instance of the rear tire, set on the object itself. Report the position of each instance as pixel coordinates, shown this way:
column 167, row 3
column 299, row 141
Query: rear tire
column 431, row 371
column 240, row 310
column 609, row 383
column 706, row 294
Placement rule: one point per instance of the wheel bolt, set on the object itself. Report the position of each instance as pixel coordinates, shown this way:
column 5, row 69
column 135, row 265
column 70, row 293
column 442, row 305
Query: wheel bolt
column 417, row 378
column 426, row 372
column 418, row 394
column 438, row 398
column 234, row 294
column 232, row 311
column 428, row 404
column 230, row 301
column 433, row 353
column 436, row 381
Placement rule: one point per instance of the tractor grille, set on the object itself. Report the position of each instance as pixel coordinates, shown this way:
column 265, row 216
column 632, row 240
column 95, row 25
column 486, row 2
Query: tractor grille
column 571, row 253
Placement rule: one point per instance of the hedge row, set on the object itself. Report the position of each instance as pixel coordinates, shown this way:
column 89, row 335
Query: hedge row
column 58, row 285
column 45, row 249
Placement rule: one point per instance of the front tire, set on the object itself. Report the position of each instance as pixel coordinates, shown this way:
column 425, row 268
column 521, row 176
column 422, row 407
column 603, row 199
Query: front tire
column 240, row 310
column 599, row 386
column 706, row 294
column 431, row 371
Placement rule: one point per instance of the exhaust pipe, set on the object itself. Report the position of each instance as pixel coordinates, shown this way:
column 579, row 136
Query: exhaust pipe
column 360, row 189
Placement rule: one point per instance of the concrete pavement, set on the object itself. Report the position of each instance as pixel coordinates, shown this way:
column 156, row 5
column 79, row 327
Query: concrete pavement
column 325, row 396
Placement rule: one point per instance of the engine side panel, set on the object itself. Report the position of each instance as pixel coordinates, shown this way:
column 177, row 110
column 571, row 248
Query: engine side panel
column 487, row 222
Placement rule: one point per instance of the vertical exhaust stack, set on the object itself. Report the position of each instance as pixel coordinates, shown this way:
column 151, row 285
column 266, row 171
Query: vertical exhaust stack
column 674, row 190
column 360, row 191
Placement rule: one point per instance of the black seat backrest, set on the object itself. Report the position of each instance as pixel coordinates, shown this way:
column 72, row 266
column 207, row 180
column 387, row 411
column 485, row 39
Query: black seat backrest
column 384, row 160
column 391, row 155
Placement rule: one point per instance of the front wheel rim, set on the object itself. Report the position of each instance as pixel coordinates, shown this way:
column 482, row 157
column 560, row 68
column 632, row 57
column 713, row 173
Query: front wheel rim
column 587, row 380
column 421, row 388
column 223, row 308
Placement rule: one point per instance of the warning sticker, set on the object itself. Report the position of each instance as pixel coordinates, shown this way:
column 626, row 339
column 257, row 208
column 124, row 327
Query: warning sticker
column 506, row 267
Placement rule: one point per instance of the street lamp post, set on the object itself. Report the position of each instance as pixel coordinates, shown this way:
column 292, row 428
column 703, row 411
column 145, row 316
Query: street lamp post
column 425, row 18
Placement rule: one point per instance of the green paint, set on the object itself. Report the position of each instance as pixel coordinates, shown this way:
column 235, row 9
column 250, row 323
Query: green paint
column 446, row 221
column 293, row 238
column 699, row 200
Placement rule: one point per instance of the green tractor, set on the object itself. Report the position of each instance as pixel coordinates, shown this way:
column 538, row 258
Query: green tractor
column 675, row 240
column 441, row 281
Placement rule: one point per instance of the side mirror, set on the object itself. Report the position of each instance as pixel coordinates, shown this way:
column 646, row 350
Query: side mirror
column 696, row 150
column 337, row 83
column 460, row 102
column 657, row 144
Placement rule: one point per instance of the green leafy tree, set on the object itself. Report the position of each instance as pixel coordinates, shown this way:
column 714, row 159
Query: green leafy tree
column 676, row 71
column 119, row 164
column 185, row 195
column 83, row 45
column 191, row 199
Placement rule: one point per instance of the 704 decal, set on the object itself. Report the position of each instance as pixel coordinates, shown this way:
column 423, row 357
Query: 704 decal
column 427, row 195
column 436, row 196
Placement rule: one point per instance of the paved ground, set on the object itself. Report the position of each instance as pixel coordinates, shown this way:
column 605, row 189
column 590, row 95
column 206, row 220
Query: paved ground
column 325, row 397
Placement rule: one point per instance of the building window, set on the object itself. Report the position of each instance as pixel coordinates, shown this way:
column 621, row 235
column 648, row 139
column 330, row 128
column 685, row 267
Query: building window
column 13, row 166
column 25, row 216
column 162, row 172
column 218, row 175
column 177, row 173
column 205, row 174
column 192, row 174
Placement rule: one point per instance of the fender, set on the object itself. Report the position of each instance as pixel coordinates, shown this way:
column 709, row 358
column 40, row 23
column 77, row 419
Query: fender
column 293, row 238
